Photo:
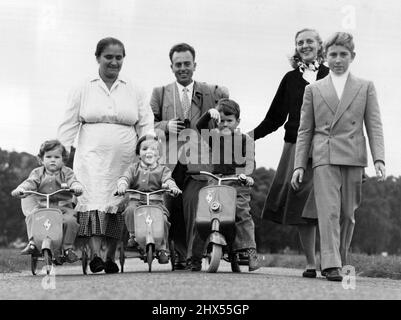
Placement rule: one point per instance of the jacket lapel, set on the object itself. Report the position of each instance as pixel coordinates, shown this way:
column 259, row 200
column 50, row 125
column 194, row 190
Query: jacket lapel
column 351, row 88
column 328, row 93
column 174, row 100
column 197, row 100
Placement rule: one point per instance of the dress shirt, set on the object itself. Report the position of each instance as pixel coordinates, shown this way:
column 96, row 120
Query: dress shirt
column 190, row 88
column 339, row 82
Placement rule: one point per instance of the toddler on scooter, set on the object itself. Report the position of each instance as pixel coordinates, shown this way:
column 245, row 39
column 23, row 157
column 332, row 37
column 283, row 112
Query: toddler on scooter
column 232, row 153
column 48, row 178
column 147, row 175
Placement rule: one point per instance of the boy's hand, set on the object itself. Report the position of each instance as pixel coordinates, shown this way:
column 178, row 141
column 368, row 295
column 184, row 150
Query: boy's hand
column 175, row 191
column 121, row 189
column 380, row 170
column 249, row 181
column 297, row 178
column 214, row 114
column 18, row 193
column 77, row 190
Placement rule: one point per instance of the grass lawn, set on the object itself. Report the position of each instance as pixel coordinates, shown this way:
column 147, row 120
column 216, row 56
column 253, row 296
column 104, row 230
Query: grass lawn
column 366, row 266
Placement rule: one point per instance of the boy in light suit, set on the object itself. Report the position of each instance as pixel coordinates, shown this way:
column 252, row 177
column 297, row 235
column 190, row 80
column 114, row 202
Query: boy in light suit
column 332, row 116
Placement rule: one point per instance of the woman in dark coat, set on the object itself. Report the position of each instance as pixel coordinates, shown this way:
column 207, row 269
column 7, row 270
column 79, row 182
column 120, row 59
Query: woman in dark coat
column 284, row 205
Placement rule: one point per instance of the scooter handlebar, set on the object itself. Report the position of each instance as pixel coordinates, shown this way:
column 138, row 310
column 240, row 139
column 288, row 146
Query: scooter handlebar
column 144, row 193
column 28, row 192
column 240, row 178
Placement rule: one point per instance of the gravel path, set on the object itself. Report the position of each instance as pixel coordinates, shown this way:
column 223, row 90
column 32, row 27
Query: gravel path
column 137, row 283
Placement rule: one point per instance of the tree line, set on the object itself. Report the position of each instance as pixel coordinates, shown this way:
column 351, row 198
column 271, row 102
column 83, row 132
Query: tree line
column 377, row 228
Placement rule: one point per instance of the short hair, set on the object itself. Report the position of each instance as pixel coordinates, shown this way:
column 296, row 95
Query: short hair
column 181, row 47
column 104, row 43
column 295, row 58
column 146, row 138
column 344, row 39
column 50, row 145
column 228, row 107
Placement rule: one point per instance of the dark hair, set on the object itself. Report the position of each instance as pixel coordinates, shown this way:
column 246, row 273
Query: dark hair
column 228, row 107
column 181, row 47
column 295, row 58
column 340, row 39
column 104, row 43
column 50, row 145
column 146, row 138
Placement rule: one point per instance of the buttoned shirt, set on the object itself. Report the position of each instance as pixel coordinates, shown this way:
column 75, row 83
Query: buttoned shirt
column 339, row 82
column 190, row 88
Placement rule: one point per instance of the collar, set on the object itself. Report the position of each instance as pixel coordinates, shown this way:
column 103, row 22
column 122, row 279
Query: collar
column 145, row 167
column 344, row 76
column 190, row 87
column 120, row 78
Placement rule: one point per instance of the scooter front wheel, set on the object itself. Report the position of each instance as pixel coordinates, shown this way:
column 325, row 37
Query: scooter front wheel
column 215, row 257
column 47, row 256
column 149, row 256
column 34, row 264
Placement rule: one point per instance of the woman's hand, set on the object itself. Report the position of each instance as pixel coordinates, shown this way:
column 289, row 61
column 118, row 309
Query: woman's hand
column 297, row 178
column 215, row 115
column 122, row 189
column 18, row 193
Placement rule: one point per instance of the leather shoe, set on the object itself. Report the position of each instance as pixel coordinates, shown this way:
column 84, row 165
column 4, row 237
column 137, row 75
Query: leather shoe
column 196, row 265
column 96, row 265
column 309, row 273
column 110, row 266
column 333, row 274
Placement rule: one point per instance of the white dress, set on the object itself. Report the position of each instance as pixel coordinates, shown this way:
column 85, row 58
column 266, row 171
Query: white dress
column 106, row 125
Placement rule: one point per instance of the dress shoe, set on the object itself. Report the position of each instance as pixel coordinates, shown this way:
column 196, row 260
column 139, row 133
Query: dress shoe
column 196, row 265
column 96, row 265
column 309, row 273
column 110, row 266
column 333, row 274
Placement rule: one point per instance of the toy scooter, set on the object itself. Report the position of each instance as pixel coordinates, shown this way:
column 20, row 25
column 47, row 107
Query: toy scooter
column 149, row 230
column 215, row 221
column 47, row 233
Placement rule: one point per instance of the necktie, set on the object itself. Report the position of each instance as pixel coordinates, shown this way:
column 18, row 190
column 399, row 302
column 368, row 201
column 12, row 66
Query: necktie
column 186, row 104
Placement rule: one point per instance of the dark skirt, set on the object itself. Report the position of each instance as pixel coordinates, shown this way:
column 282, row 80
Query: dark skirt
column 283, row 204
column 98, row 223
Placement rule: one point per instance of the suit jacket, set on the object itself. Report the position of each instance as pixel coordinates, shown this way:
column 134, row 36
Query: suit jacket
column 334, row 128
column 166, row 105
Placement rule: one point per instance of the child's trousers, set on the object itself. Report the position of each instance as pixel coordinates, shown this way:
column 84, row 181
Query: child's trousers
column 70, row 226
column 129, row 218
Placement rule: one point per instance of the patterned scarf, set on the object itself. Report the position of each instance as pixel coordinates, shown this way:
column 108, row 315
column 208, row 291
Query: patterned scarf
column 313, row 66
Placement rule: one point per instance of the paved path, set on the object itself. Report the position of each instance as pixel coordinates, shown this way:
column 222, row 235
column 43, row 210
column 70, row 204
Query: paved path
column 161, row 284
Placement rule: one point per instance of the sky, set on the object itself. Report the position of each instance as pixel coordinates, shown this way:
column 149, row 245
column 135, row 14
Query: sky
column 48, row 47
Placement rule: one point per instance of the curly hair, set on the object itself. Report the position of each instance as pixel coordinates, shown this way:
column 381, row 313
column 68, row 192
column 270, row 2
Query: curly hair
column 295, row 58
column 181, row 47
column 50, row 145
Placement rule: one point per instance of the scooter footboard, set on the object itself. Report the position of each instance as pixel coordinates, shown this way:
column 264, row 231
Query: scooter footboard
column 225, row 197
column 149, row 224
column 47, row 228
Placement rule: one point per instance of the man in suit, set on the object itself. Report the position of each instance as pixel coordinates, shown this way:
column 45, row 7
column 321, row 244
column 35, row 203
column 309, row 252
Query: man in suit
column 332, row 116
column 177, row 107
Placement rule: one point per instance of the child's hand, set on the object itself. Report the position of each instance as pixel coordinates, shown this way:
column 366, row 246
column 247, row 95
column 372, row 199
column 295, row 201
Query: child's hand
column 175, row 191
column 122, row 189
column 77, row 190
column 18, row 193
column 249, row 181
column 215, row 115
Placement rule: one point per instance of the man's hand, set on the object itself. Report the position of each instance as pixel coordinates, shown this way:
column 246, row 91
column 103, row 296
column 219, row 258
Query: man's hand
column 18, row 193
column 175, row 125
column 297, row 178
column 122, row 189
column 249, row 181
column 380, row 171
column 215, row 115
column 175, row 191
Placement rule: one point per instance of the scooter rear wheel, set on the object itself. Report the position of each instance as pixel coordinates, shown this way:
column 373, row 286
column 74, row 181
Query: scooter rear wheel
column 47, row 256
column 34, row 264
column 215, row 257
column 149, row 256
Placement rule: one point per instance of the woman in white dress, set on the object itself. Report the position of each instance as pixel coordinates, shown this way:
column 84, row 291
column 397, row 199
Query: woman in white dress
column 105, row 116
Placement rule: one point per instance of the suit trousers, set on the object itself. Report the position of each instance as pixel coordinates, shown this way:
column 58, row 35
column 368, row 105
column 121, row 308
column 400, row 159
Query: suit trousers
column 338, row 191
column 70, row 226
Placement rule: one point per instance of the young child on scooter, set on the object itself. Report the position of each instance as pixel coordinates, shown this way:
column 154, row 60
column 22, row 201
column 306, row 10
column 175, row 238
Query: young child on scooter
column 232, row 153
column 48, row 178
column 147, row 175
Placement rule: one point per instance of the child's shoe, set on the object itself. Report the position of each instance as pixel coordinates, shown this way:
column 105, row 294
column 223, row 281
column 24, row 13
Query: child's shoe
column 132, row 244
column 253, row 259
column 29, row 249
column 163, row 257
column 70, row 256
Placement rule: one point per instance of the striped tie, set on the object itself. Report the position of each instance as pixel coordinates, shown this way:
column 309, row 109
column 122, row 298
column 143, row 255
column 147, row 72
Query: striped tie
column 186, row 104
